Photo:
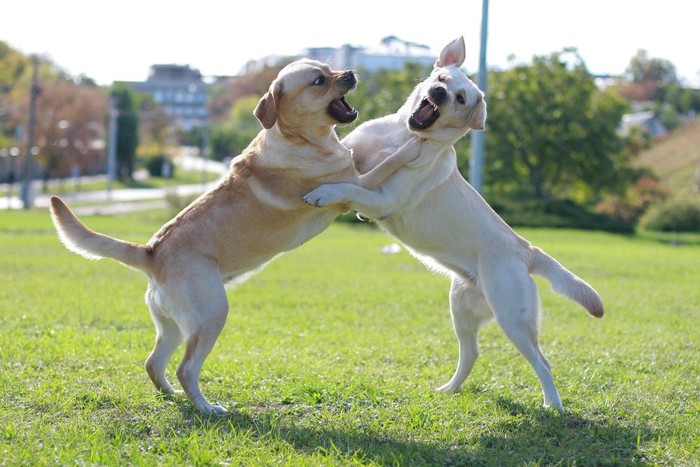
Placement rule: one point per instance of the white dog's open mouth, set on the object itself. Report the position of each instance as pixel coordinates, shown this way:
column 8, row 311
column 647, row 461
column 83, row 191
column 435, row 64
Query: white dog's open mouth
column 425, row 115
column 341, row 111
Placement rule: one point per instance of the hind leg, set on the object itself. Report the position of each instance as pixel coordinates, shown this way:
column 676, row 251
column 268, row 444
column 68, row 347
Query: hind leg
column 513, row 297
column 203, row 312
column 168, row 338
column 469, row 313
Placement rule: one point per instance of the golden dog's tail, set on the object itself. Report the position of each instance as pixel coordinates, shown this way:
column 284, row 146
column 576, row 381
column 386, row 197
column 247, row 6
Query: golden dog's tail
column 92, row 245
column 566, row 283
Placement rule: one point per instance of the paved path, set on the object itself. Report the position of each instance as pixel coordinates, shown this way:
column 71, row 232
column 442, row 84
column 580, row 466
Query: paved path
column 123, row 200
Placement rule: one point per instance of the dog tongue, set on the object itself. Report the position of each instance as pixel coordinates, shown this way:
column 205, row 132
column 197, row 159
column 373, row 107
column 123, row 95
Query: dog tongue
column 425, row 111
column 341, row 105
column 425, row 115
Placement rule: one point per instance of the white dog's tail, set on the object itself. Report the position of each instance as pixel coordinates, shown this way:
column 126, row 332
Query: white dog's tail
column 92, row 245
column 566, row 283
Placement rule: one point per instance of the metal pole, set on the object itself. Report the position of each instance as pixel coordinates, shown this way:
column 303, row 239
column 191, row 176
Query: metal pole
column 478, row 138
column 112, row 148
column 27, row 194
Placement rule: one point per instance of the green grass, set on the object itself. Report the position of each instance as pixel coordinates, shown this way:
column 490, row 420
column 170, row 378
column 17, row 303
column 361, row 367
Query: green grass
column 330, row 356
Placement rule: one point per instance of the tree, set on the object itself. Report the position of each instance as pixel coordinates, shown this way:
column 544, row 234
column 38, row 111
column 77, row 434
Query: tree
column 156, row 136
column 127, row 130
column 233, row 136
column 551, row 133
column 642, row 69
column 69, row 125
column 13, row 66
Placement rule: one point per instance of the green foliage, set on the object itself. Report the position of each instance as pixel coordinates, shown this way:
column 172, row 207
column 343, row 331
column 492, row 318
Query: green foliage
column 228, row 143
column 674, row 215
column 643, row 68
column 160, row 166
column 333, row 363
column 681, row 99
column 242, row 115
column 230, row 138
column 551, row 133
column 13, row 65
column 628, row 208
column 556, row 213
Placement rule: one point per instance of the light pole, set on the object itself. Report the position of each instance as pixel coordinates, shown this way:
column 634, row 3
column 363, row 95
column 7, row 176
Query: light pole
column 478, row 138
column 27, row 195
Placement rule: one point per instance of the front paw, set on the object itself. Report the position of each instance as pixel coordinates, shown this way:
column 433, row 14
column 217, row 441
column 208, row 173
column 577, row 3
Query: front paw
column 324, row 195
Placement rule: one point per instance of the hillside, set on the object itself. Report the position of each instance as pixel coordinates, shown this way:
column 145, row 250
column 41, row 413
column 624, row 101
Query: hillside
column 676, row 159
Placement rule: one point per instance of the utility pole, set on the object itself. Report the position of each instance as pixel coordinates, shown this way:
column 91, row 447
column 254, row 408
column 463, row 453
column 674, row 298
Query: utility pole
column 27, row 191
column 478, row 138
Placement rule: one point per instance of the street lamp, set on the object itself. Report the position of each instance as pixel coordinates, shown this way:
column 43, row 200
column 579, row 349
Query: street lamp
column 27, row 194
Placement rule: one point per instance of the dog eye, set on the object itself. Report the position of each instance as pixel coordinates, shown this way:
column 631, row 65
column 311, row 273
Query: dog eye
column 442, row 78
column 460, row 99
column 320, row 81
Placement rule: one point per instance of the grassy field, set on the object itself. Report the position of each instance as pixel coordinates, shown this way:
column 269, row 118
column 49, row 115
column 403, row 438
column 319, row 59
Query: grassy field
column 330, row 356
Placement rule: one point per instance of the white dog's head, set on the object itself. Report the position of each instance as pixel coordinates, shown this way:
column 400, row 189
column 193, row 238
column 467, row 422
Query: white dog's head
column 447, row 104
column 307, row 94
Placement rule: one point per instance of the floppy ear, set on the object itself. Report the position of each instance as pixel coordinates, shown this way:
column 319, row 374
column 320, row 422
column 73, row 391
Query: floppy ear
column 477, row 119
column 266, row 110
column 454, row 53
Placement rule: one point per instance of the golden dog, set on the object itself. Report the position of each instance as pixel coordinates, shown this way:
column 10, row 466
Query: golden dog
column 255, row 213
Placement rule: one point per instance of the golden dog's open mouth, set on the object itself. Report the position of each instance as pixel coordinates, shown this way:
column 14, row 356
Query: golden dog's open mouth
column 341, row 111
column 425, row 115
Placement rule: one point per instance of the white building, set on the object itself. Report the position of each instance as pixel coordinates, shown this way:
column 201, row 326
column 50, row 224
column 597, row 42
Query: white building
column 392, row 54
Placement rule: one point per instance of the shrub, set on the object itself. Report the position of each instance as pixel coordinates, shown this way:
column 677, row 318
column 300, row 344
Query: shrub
column 645, row 192
column 676, row 215
column 156, row 167
column 526, row 212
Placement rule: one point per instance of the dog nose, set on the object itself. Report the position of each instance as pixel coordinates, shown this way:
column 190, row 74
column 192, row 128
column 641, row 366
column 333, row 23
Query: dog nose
column 348, row 78
column 438, row 93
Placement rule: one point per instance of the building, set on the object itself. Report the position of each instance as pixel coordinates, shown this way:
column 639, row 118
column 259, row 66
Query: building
column 180, row 91
column 646, row 121
column 392, row 54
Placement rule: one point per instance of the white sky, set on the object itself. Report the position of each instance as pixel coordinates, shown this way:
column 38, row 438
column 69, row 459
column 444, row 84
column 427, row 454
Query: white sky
column 111, row 41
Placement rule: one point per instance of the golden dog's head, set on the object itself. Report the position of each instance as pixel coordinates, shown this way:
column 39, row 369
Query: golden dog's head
column 447, row 104
column 307, row 94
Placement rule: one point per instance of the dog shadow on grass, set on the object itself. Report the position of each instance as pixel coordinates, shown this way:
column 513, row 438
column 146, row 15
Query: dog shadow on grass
column 529, row 435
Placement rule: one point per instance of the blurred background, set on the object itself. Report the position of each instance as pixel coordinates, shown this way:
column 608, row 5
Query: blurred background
column 592, row 105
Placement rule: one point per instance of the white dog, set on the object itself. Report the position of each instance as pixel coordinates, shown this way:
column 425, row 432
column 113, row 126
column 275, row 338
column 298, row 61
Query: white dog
column 443, row 221
column 253, row 215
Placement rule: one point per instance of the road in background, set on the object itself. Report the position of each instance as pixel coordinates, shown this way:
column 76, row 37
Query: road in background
column 123, row 200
